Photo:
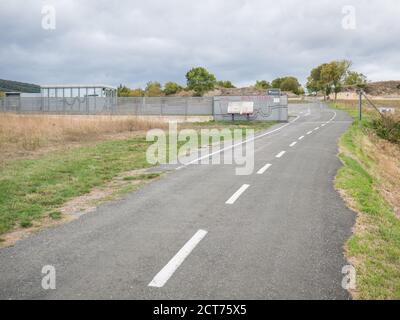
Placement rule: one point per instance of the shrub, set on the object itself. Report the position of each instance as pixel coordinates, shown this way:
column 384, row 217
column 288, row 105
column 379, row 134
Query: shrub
column 387, row 127
column 262, row 85
column 172, row 88
column 225, row 84
column 153, row 89
column 200, row 80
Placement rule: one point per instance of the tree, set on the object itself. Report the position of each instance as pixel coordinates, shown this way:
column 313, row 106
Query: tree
column 123, row 91
column 2, row 94
column 333, row 75
column 262, row 85
column 172, row 88
column 354, row 78
column 153, row 89
column 200, row 80
column 301, row 91
column 315, row 82
column 138, row 92
column 276, row 83
column 290, row 84
column 225, row 84
column 328, row 77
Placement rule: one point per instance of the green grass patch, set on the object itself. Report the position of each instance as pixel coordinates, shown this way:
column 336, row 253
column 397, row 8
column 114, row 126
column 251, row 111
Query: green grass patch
column 351, row 109
column 375, row 245
column 55, row 215
column 35, row 188
column 26, row 223
column 237, row 124
column 29, row 188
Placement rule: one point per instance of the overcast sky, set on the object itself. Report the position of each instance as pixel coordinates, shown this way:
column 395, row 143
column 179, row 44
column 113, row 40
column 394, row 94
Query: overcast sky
column 132, row 42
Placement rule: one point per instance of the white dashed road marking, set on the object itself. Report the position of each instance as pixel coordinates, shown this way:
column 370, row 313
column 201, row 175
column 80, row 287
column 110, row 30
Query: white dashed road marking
column 237, row 194
column 265, row 168
column 163, row 276
column 280, row 154
column 293, row 144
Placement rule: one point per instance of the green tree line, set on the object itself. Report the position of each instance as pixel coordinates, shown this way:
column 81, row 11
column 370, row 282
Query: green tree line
column 328, row 78
column 200, row 80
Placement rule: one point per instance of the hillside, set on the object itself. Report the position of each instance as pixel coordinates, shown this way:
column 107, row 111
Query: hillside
column 246, row 91
column 15, row 86
column 383, row 88
column 378, row 90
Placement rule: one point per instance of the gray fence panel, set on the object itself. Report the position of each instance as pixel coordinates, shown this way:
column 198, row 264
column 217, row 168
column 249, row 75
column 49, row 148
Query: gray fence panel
column 165, row 106
column 2, row 104
column 200, row 106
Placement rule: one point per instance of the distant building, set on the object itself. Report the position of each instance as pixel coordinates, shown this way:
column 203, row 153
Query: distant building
column 78, row 98
column 72, row 99
column 78, row 90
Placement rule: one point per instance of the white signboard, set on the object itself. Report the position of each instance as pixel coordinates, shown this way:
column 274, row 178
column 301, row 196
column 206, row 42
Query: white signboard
column 241, row 107
column 386, row 110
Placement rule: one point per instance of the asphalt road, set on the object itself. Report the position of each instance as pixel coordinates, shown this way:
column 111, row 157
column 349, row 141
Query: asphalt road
column 203, row 232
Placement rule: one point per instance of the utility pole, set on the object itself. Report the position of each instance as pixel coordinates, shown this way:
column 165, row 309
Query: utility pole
column 360, row 93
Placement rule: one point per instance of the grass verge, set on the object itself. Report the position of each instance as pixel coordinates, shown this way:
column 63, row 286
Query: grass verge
column 30, row 188
column 238, row 124
column 374, row 248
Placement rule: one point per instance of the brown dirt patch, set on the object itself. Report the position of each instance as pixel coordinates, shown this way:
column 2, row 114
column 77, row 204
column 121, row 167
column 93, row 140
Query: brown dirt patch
column 81, row 205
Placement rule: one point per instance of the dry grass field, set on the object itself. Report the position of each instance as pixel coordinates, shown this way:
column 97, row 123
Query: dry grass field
column 25, row 134
column 379, row 103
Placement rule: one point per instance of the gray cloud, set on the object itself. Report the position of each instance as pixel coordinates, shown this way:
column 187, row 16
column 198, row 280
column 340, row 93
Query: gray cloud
column 132, row 42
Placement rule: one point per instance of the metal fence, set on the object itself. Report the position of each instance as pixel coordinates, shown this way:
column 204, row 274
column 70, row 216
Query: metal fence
column 166, row 106
column 265, row 107
column 77, row 105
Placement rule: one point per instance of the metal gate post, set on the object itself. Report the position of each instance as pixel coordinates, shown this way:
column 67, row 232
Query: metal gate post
column 87, row 101
column 63, row 100
column 79, row 99
column 213, row 108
